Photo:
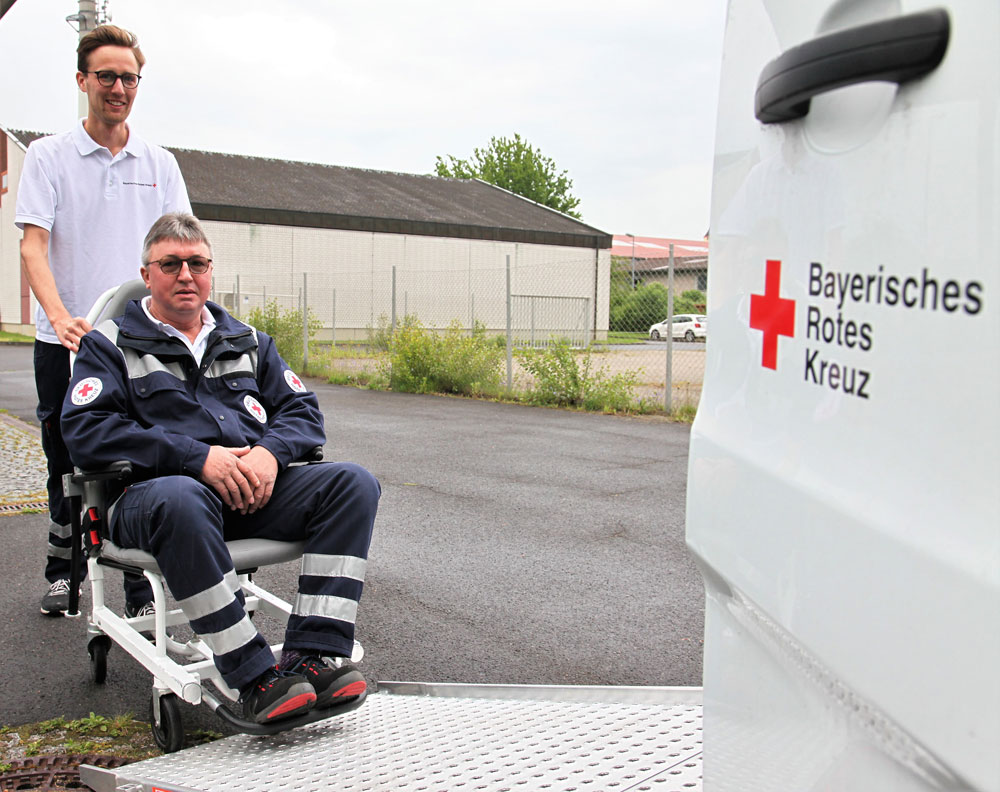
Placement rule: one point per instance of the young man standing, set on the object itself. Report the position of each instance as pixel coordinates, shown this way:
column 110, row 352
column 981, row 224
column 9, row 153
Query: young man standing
column 86, row 199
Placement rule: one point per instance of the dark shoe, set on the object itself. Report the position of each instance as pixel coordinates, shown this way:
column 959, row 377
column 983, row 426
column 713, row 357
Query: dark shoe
column 149, row 609
column 56, row 600
column 275, row 695
column 335, row 679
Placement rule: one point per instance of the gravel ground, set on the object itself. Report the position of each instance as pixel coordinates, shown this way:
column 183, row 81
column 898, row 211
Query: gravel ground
column 22, row 465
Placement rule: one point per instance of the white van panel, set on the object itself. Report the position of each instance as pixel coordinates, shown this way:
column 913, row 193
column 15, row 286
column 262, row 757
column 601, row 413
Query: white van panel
column 844, row 484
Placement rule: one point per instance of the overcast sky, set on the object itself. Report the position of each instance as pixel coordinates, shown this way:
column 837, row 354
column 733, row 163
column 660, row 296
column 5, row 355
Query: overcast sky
column 621, row 95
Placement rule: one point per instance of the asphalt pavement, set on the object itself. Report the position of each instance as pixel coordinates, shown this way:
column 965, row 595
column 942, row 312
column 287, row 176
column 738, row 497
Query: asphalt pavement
column 513, row 545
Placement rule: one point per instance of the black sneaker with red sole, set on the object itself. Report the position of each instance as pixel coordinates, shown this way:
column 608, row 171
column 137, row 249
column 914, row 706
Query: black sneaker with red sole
column 336, row 680
column 276, row 695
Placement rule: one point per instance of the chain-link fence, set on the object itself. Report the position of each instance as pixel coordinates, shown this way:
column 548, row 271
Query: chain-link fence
column 590, row 303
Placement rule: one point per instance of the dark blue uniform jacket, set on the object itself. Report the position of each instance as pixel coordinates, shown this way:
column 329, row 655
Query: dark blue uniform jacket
column 138, row 395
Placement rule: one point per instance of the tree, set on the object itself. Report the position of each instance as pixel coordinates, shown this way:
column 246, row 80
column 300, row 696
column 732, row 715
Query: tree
column 515, row 166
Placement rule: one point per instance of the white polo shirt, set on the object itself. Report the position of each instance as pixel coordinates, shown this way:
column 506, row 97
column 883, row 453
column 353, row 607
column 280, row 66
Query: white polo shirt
column 97, row 210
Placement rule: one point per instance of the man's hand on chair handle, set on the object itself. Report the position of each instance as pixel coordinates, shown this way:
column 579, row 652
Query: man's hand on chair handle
column 70, row 330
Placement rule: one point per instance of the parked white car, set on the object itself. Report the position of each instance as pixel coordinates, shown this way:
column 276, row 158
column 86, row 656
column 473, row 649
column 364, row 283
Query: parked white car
column 686, row 326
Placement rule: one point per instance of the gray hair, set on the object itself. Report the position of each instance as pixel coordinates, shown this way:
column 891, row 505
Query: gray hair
column 177, row 226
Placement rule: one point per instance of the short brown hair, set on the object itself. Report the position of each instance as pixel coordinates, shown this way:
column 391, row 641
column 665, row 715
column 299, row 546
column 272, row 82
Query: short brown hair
column 103, row 36
column 175, row 226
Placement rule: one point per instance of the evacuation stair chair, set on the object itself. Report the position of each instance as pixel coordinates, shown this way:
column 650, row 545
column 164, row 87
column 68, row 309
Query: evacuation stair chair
column 179, row 669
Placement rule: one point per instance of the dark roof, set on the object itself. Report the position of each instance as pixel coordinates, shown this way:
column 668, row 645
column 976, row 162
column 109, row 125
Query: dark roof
column 280, row 192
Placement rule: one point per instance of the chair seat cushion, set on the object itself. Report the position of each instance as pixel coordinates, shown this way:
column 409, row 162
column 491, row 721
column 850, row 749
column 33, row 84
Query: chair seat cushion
column 246, row 554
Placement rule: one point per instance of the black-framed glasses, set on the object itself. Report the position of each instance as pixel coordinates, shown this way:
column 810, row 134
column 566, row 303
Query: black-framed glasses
column 108, row 78
column 171, row 265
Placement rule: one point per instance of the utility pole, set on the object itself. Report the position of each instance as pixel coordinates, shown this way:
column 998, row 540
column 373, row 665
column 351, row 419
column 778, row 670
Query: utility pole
column 86, row 19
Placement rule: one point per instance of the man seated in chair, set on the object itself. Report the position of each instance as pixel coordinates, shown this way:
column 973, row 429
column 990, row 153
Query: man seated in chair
column 211, row 417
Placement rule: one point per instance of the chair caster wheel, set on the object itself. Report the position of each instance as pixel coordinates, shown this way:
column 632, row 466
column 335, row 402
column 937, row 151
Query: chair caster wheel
column 168, row 734
column 97, row 648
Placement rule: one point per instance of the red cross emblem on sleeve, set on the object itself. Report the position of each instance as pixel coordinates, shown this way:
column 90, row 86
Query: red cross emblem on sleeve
column 255, row 408
column 86, row 390
column 293, row 382
column 772, row 314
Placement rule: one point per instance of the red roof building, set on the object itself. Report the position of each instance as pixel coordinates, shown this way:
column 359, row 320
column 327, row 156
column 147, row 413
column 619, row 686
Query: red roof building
column 652, row 254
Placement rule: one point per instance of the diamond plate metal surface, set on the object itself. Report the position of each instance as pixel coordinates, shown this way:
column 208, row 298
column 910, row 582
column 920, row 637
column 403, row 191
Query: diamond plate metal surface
column 404, row 743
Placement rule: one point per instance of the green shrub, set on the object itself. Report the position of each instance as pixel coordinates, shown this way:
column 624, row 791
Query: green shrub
column 564, row 379
column 285, row 327
column 634, row 310
column 421, row 361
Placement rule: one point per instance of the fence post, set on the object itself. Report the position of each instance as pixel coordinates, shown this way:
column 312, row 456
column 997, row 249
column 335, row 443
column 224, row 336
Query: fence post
column 669, row 391
column 510, row 367
column 532, row 299
column 305, row 323
column 393, row 298
column 236, row 297
column 333, row 320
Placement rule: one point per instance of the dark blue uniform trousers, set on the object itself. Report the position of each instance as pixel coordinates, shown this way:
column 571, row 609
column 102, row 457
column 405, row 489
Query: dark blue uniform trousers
column 184, row 524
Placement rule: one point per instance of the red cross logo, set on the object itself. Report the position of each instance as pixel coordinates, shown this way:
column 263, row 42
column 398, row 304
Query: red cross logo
column 255, row 408
column 772, row 314
column 86, row 390
column 294, row 382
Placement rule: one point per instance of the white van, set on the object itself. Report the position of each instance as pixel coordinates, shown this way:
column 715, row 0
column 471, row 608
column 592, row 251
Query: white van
column 844, row 481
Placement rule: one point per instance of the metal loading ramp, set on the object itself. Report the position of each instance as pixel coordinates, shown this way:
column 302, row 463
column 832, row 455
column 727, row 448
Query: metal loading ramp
column 412, row 737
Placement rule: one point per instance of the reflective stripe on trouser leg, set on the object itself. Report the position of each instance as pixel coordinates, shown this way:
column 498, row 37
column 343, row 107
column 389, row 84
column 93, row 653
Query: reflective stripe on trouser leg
column 332, row 506
column 179, row 520
column 60, row 543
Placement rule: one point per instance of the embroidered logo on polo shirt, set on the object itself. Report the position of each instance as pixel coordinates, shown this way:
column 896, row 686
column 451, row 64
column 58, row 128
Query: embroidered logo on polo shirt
column 139, row 184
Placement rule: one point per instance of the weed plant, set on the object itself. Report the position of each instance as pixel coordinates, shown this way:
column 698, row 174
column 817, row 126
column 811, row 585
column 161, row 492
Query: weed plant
column 563, row 378
column 285, row 327
column 421, row 361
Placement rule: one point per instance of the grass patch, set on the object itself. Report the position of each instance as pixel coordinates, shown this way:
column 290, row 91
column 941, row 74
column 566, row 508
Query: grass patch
column 684, row 413
column 119, row 735
column 15, row 338
column 618, row 337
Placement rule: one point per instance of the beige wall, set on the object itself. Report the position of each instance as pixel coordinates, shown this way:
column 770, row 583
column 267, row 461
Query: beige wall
column 349, row 276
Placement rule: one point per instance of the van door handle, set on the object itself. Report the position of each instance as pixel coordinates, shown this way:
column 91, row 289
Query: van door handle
column 891, row 50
